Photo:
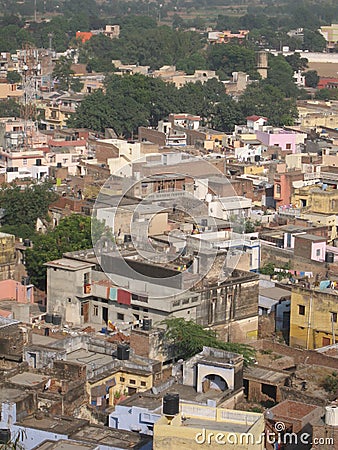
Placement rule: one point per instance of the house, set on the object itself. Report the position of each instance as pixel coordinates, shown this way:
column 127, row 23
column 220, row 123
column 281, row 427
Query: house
column 223, row 37
column 89, row 297
column 330, row 33
column 310, row 247
column 255, row 122
column 313, row 317
column 297, row 418
column 211, row 378
column 196, row 427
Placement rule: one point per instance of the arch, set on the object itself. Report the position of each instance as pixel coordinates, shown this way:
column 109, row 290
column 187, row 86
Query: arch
column 214, row 382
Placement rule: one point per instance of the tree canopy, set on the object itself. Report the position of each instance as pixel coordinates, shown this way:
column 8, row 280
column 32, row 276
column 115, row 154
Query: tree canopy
column 186, row 338
column 22, row 207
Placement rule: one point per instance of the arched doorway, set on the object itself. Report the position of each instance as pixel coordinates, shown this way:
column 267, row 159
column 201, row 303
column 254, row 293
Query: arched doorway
column 214, row 382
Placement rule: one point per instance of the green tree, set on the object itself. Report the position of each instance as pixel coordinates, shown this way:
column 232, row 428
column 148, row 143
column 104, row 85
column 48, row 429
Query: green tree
column 280, row 75
column 24, row 207
column 9, row 108
column 73, row 233
column 311, row 78
column 64, row 73
column 296, row 62
column 186, row 338
column 313, row 41
column 269, row 101
column 13, row 77
column 231, row 58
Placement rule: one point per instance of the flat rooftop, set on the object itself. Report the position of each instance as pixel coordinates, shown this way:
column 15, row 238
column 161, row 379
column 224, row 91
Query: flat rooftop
column 224, row 427
column 65, row 445
column 311, row 237
column 28, row 379
column 275, row 293
column 110, row 437
column 11, row 395
column 57, row 425
column 265, row 375
column 89, row 358
column 293, row 410
column 69, row 264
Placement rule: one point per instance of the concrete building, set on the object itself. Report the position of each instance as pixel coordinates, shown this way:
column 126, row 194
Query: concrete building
column 204, row 427
column 313, row 317
column 330, row 33
column 297, row 418
column 7, row 256
column 89, row 297
column 212, row 377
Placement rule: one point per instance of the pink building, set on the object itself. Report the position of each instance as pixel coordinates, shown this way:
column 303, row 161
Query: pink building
column 284, row 139
column 13, row 290
column 310, row 247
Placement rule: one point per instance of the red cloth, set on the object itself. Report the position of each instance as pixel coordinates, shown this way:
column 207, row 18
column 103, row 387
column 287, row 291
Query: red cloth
column 123, row 297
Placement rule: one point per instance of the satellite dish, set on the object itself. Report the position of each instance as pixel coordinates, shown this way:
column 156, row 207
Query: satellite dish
column 154, row 390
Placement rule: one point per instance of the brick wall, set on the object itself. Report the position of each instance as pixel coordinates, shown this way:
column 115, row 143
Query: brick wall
column 105, row 151
column 300, row 356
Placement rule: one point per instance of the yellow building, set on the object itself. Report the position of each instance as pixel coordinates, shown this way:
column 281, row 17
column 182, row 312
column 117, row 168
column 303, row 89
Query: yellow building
column 253, row 170
column 313, row 318
column 330, row 33
column 316, row 199
column 113, row 385
column 197, row 427
column 7, row 256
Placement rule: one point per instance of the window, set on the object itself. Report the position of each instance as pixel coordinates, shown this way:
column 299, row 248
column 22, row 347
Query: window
column 95, row 310
column 86, row 278
column 69, row 300
column 120, row 316
column 24, row 161
column 334, row 317
column 301, row 310
column 278, row 189
column 288, row 146
column 143, row 383
column 132, row 381
column 318, row 252
column 122, row 379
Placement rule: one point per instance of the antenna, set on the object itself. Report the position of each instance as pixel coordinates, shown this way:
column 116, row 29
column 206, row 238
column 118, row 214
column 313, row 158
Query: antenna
column 30, row 68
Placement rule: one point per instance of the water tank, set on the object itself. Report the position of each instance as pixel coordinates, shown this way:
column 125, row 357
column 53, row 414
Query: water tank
column 5, row 436
column 171, row 404
column 331, row 416
column 204, row 222
column 123, row 351
column 329, row 257
column 147, row 323
column 27, row 242
column 38, row 162
column 127, row 238
column 48, row 318
column 56, row 319
column 58, row 165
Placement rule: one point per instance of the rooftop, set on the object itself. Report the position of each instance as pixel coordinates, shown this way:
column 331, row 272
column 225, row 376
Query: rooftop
column 69, row 264
column 56, row 425
column 110, row 437
column 11, row 395
column 311, row 237
column 292, row 410
column 28, row 379
column 65, row 445
column 265, row 374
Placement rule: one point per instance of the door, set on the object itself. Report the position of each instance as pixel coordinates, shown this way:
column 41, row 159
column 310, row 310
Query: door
column 326, row 341
column 105, row 314
column 85, row 311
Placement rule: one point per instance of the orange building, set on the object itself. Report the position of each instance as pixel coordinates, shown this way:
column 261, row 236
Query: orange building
column 84, row 36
